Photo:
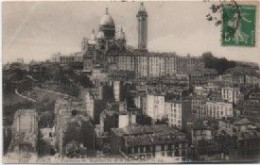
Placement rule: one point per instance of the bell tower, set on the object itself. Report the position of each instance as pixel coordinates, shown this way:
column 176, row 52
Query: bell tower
column 142, row 27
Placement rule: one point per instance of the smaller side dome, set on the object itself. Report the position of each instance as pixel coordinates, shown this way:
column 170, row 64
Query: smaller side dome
column 100, row 35
column 92, row 38
column 121, row 34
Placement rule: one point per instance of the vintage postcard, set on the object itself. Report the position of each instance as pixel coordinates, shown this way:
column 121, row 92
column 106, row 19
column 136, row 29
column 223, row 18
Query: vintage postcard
column 131, row 81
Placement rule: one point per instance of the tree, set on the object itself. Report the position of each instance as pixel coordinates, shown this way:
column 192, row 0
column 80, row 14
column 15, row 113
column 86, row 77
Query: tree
column 80, row 131
column 84, row 81
column 143, row 120
column 219, row 64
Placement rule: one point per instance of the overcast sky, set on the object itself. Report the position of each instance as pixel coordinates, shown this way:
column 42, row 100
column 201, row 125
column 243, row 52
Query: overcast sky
column 36, row 30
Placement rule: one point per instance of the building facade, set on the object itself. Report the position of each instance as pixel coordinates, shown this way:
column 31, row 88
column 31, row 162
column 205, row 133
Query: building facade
column 219, row 109
column 155, row 106
column 144, row 142
column 24, row 131
column 231, row 94
column 178, row 112
column 198, row 107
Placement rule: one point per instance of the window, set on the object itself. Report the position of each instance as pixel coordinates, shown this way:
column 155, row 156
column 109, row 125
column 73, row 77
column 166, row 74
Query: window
column 148, row 149
column 141, row 149
column 162, row 147
column 135, row 149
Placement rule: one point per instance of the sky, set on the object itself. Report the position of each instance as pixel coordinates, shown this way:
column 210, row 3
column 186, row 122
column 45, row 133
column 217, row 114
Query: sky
column 36, row 30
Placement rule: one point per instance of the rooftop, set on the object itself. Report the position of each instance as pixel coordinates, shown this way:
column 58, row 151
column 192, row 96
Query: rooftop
column 154, row 139
column 149, row 135
column 144, row 129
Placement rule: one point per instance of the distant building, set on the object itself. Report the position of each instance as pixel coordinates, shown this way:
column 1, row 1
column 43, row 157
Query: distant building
column 65, row 109
column 20, row 60
column 232, row 126
column 126, row 62
column 198, row 107
column 155, row 106
column 200, row 133
column 189, row 64
column 140, row 101
column 240, row 138
column 200, row 90
column 231, row 94
column 251, row 110
column 219, row 109
column 116, row 90
column 142, row 66
column 144, row 142
column 156, row 66
column 65, row 59
column 179, row 112
column 116, row 116
column 203, row 142
column 98, row 74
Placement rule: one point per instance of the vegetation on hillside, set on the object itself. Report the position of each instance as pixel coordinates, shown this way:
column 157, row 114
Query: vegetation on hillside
column 219, row 64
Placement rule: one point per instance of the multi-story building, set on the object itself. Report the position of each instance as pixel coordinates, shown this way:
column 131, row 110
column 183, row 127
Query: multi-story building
column 189, row 64
column 65, row 109
column 252, row 110
column 197, row 77
column 198, row 107
column 232, row 126
column 155, row 106
column 142, row 142
column 201, row 133
column 116, row 116
column 246, row 141
column 202, row 138
column 139, row 100
column 218, row 109
column 64, row 59
column 62, row 117
column 150, row 64
column 126, row 62
column 231, row 94
column 156, row 66
column 24, row 132
column 142, row 66
column 170, row 64
column 252, row 79
column 116, row 90
column 178, row 112
column 200, row 90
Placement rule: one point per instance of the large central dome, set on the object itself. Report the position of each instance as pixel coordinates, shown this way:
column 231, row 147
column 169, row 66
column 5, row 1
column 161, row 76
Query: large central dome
column 107, row 20
column 107, row 26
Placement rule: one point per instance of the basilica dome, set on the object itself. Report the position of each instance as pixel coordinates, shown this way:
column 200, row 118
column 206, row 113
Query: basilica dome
column 107, row 20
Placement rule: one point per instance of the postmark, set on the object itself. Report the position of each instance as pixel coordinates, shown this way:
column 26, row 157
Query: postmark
column 239, row 25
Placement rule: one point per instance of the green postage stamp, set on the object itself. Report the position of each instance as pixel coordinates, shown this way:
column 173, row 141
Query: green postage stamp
column 239, row 25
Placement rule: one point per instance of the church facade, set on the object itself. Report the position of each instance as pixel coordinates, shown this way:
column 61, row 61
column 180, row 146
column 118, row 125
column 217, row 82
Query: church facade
column 108, row 47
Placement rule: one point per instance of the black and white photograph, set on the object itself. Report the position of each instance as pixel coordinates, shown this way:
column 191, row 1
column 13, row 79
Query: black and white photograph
column 131, row 81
